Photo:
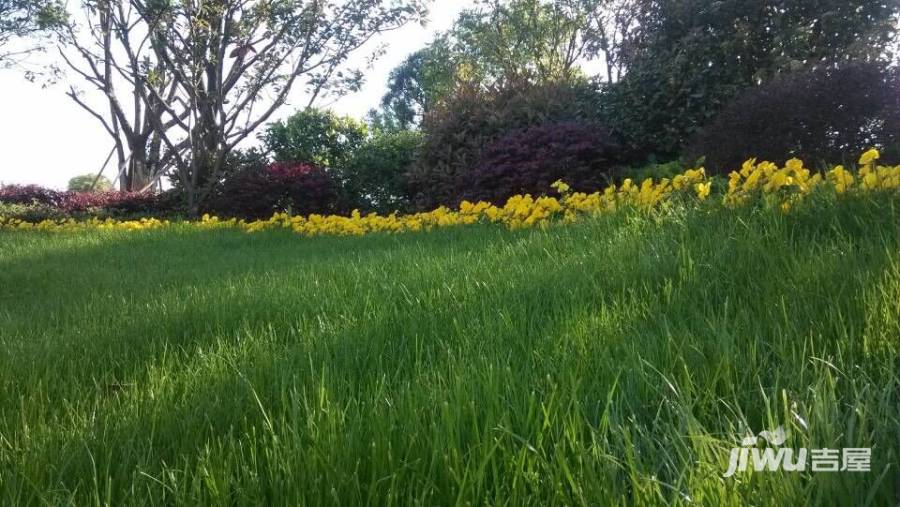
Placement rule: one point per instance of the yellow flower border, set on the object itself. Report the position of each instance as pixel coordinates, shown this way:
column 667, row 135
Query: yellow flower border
column 783, row 186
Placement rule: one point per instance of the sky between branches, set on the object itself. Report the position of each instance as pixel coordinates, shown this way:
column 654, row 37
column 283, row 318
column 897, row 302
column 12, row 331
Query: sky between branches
column 46, row 139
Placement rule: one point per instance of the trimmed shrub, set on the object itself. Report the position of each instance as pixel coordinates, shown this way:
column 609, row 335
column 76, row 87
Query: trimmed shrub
column 30, row 194
column 33, row 203
column 33, row 213
column 817, row 116
column 117, row 204
column 293, row 187
column 529, row 160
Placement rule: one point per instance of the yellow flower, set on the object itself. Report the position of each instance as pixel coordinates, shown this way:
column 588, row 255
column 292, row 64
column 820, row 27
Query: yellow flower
column 702, row 190
column 871, row 181
column 734, row 181
column 560, row 186
column 794, row 164
column 748, row 167
column 869, row 157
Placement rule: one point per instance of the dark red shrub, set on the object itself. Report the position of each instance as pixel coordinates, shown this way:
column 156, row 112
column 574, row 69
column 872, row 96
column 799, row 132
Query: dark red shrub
column 111, row 204
column 829, row 115
column 529, row 160
column 460, row 129
column 256, row 193
column 30, row 194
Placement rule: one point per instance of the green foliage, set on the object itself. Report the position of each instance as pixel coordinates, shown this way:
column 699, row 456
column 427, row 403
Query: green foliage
column 614, row 361
column 89, row 183
column 689, row 59
column 33, row 213
column 375, row 175
column 656, row 171
column 370, row 164
column 517, row 42
column 315, row 136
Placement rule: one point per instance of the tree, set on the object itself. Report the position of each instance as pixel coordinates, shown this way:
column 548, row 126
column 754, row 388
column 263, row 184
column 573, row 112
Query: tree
column 508, row 44
column 415, row 86
column 89, row 183
column 115, row 48
column 518, row 42
column 203, row 75
column 23, row 19
column 369, row 163
column 687, row 59
column 609, row 28
column 530, row 160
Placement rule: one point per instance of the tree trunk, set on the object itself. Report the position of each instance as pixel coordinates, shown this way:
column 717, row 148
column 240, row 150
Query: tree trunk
column 137, row 174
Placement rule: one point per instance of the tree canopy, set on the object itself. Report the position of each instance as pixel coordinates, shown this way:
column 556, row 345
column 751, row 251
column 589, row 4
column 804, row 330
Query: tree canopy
column 21, row 19
column 499, row 45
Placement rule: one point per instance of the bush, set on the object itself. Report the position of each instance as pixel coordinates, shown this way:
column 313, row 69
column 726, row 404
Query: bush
column 816, row 116
column 656, row 171
column 529, row 160
column 33, row 203
column 33, row 213
column 89, row 183
column 294, row 187
column 460, row 129
column 118, row 204
column 375, row 175
column 315, row 137
column 30, row 194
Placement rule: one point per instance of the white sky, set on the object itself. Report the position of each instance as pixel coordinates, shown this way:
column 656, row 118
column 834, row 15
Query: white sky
column 45, row 138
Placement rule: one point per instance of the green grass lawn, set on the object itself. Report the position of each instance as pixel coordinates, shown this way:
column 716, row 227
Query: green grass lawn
column 616, row 360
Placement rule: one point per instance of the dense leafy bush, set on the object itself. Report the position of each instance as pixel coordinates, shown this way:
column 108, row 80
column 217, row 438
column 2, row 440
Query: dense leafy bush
column 32, row 213
column 316, row 137
column 817, row 116
column 529, row 160
column 686, row 60
column 374, row 178
column 283, row 186
column 460, row 129
column 89, row 183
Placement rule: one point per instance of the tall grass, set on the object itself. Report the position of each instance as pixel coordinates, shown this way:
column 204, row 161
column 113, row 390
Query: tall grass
column 614, row 361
